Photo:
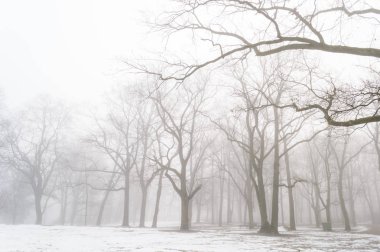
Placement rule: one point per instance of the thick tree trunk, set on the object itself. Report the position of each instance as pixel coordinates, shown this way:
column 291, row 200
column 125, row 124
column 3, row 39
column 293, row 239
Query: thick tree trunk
column 198, row 220
column 143, row 207
column 251, row 224
column 184, row 213
column 343, row 208
column 126, row 201
column 310, row 215
column 317, row 207
column 199, row 208
column 158, row 197
column 190, row 206
column 260, row 193
column 38, row 209
column 317, row 216
column 249, row 201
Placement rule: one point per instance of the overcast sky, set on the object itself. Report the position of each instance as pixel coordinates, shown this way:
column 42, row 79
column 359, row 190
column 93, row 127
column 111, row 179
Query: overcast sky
column 67, row 47
column 73, row 48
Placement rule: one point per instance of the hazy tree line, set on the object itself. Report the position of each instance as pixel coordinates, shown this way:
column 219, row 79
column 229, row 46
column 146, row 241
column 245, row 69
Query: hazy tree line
column 240, row 139
column 203, row 153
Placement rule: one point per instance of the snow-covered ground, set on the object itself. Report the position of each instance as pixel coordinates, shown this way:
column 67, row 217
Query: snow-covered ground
column 58, row 238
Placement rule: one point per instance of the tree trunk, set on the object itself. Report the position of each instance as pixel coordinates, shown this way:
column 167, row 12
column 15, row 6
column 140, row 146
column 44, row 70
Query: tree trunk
column 63, row 206
column 292, row 221
column 199, row 208
column 184, row 212
column 310, row 215
column 282, row 208
column 143, row 207
column 240, row 205
column 378, row 201
column 158, row 197
column 229, row 199
column 249, row 201
column 276, row 174
column 351, row 200
column 220, row 221
column 251, row 224
column 38, row 209
column 74, row 210
column 343, row 208
column 101, row 210
column 317, row 207
column 212, row 202
column 260, row 192
column 190, row 206
column 367, row 197
column 126, row 200
column 328, row 204
column 317, row 216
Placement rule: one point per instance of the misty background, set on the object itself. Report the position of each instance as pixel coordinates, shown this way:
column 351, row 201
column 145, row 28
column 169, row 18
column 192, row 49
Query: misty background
column 103, row 122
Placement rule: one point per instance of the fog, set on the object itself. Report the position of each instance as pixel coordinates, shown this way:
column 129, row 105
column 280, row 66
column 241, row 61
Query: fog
column 131, row 125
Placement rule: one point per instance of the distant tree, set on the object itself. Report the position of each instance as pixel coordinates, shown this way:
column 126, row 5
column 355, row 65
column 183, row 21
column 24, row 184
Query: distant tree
column 33, row 141
column 115, row 135
column 325, row 153
column 146, row 171
column 343, row 158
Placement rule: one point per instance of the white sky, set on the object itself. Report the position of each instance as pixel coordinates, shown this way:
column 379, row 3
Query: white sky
column 72, row 49
column 67, row 47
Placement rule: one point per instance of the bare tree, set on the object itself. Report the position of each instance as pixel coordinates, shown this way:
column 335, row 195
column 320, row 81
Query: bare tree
column 111, row 185
column 342, row 162
column 375, row 136
column 158, row 197
column 33, row 143
column 270, row 28
column 239, row 172
column 145, row 111
column 180, row 121
column 314, row 187
column 117, row 138
column 325, row 155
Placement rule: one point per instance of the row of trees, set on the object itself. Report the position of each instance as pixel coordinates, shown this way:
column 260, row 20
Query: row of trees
column 236, row 155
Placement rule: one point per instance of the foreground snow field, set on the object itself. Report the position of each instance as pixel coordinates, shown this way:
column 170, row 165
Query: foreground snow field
column 60, row 238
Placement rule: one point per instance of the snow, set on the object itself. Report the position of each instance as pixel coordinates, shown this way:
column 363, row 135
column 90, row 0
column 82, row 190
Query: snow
column 63, row 238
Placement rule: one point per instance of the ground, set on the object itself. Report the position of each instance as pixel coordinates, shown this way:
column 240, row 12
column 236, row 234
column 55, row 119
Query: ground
column 32, row 238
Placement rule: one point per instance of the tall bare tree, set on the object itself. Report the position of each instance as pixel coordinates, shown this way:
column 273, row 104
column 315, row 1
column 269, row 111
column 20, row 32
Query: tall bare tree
column 180, row 117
